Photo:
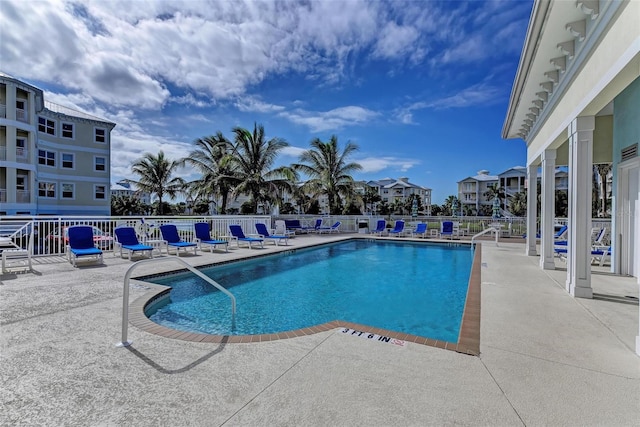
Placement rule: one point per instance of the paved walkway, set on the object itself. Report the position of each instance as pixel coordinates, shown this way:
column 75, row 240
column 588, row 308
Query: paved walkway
column 546, row 359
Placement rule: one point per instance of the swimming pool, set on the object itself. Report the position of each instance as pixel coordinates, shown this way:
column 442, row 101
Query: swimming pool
column 414, row 288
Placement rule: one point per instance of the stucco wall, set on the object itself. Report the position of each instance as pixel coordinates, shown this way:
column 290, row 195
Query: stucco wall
column 626, row 119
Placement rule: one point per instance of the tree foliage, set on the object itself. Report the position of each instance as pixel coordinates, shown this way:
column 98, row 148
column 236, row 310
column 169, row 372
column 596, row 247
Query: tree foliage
column 329, row 171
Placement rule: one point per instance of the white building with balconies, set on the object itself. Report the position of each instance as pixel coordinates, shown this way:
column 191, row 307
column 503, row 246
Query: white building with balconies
column 53, row 160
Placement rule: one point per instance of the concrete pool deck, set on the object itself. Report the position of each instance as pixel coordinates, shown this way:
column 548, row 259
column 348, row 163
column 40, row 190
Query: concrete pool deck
column 546, row 358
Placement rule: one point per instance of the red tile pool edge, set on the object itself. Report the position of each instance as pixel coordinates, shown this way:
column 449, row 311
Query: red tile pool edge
column 468, row 339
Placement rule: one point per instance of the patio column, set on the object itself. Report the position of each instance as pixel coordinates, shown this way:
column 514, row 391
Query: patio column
column 532, row 209
column 580, row 134
column 547, row 209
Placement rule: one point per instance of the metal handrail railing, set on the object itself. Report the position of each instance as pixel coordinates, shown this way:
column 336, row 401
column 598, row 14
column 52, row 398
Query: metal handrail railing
column 125, row 294
column 485, row 231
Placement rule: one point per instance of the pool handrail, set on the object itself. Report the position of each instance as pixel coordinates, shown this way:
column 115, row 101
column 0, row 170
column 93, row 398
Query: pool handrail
column 491, row 228
column 125, row 293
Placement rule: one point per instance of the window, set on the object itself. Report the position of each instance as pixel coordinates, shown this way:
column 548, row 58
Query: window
column 47, row 189
column 100, row 135
column 68, row 190
column 100, row 192
column 21, row 110
column 67, row 130
column 21, row 182
column 100, row 164
column 21, row 148
column 46, row 126
column 67, row 160
column 47, row 158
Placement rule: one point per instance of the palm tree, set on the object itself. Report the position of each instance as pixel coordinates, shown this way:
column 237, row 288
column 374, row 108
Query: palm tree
column 600, row 172
column 493, row 191
column 449, row 204
column 328, row 171
column 126, row 205
column 253, row 159
column 370, row 197
column 155, row 174
column 518, row 204
column 214, row 159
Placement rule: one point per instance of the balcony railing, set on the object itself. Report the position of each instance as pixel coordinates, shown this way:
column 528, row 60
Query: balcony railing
column 21, row 115
column 23, row 196
column 22, row 155
column 3, row 195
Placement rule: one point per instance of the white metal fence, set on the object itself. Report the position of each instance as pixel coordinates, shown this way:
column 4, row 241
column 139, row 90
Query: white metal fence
column 49, row 236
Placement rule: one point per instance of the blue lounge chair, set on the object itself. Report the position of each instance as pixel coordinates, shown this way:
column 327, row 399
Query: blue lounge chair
column 293, row 225
column 420, row 231
column 335, row 228
column 238, row 235
column 447, row 229
column 81, row 244
column 598, row 254
column 381, row 227
column 126, row 239
column 170, row 235
column 264, row 234
column 398, row 228
column 203, row 237
column 315, row 227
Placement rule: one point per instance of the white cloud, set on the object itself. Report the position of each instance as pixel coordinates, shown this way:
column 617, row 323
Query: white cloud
column 253, row 104
column 330, row 120
column 475, row 95
column 377, row 164
column 292, row 151
column 395, row 41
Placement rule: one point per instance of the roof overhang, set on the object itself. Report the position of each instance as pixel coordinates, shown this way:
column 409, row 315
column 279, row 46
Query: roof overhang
column 554, row 40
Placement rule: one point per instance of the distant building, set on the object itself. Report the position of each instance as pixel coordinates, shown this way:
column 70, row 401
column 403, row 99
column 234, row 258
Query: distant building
column 125, row 189
column 53, row 160
column 471, row 192
column 392, row 190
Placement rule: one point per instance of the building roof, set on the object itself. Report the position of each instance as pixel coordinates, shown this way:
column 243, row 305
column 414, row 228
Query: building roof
column 61, row 109
column 483, row 176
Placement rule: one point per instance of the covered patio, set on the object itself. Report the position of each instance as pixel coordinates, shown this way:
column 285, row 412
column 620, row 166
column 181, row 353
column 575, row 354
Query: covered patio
column 575, row 102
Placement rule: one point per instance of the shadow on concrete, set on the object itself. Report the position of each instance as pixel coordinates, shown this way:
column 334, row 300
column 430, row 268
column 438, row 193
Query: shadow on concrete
column 190, row 366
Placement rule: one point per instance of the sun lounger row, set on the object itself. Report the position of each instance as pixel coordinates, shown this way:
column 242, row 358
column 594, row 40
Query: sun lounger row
column 447, row 229
column 294, row 225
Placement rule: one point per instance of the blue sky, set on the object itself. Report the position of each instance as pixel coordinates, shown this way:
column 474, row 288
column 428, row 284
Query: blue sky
column 421, row 86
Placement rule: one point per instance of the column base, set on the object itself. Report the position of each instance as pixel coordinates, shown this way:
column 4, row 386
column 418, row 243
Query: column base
column 547, row 265
column 531, row 252
column 580, row 292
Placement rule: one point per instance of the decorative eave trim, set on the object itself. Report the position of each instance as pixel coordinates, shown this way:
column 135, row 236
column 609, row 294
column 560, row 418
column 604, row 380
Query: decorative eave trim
column 576, row 64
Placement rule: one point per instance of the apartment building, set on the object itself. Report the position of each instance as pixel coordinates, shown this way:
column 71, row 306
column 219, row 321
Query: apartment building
column 471, row 192
column 392, row 190
column 53, row 160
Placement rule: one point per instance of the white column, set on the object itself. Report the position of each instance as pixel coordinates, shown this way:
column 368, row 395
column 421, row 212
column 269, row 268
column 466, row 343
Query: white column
column 547, row 209
column 637, row 255
column 580, row 186
column 532, row 209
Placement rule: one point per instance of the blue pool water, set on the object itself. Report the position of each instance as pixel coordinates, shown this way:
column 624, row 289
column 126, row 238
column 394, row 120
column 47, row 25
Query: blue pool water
column 413, row 288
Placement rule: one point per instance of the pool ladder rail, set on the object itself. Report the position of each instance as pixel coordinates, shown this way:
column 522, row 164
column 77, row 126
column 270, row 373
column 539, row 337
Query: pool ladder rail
column 492, row 228
column 125, row 293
